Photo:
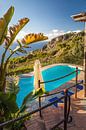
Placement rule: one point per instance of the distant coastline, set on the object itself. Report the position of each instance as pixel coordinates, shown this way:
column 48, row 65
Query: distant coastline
column 33, row 47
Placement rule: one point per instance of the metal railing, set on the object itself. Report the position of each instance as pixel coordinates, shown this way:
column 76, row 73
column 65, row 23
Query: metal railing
column 53, row 80
column 67, row 103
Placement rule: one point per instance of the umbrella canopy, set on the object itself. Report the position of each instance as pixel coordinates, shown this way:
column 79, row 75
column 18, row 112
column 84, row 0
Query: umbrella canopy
column 38, row 75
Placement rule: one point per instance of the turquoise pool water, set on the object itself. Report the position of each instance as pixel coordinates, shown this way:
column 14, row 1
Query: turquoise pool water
column 27, row 84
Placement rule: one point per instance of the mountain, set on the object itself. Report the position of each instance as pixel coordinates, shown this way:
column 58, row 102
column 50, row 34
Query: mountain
column 67, row 48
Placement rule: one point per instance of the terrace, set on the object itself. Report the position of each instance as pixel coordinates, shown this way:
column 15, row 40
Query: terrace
column 49, row 117
column 66, row 106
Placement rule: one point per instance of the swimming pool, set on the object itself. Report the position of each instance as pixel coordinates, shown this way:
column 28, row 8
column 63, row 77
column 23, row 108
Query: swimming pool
column 27, row 84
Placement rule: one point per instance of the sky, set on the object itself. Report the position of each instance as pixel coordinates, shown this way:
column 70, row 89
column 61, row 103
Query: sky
column 51, row 17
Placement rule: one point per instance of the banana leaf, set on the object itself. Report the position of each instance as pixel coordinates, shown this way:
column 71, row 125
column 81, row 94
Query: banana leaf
column 9, row 101
column 14, row 30
column 33, row 95
column 4, row 24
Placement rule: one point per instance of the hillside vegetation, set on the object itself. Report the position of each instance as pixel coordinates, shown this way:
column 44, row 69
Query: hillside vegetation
column 68, row 48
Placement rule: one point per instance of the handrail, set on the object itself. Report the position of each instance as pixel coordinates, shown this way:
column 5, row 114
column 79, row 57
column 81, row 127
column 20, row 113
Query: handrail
column 67, row 118
column 28, row 114
column 41, row 108
column 62, row 90
column 59, row 77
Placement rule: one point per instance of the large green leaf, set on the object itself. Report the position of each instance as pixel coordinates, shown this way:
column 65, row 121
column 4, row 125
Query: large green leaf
column 4, row 23
column 12, row 84
column 28, row 98
column 20, row 49
column 40, row 92
column 9, row 101
column 33, row 95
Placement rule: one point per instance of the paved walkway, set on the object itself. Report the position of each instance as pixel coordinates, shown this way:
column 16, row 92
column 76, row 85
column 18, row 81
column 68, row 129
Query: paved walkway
column 51, row 116
column 78, row 113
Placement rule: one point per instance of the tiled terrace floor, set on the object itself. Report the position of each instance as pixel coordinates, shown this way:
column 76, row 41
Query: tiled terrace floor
column 51, row 116
column 78, row 113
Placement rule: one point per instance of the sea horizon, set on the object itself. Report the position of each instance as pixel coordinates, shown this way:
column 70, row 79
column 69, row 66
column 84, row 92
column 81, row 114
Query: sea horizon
column 33, row 47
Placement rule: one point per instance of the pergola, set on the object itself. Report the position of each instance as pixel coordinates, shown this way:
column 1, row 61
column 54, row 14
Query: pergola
column 81, row 17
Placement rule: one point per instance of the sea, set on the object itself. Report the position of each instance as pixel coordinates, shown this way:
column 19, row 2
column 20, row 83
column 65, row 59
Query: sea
column 32, row 47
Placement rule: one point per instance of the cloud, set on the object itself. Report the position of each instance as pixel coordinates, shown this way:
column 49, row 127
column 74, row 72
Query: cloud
column 76, row 31
column 54, row 33
column 55, row 30
column 69, row 32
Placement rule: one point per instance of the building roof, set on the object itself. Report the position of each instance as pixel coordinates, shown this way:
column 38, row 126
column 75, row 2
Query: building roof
column 79, row 17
